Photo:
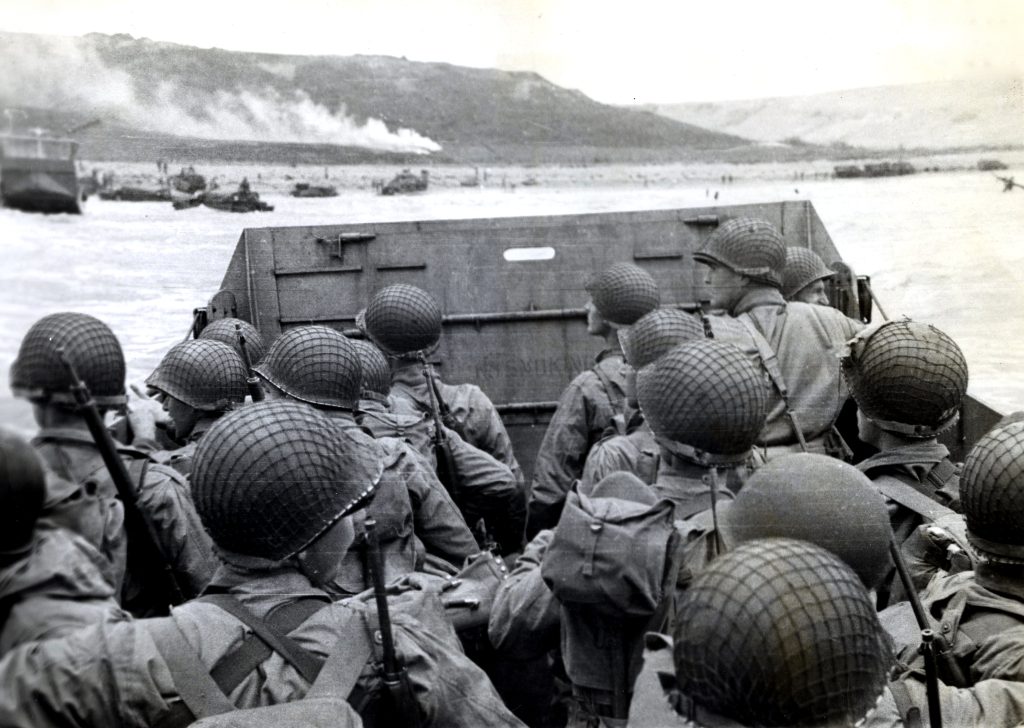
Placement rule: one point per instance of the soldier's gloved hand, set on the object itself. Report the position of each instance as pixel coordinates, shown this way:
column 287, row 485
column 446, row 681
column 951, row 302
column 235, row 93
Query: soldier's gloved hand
column 957, row 558
column 145, row 414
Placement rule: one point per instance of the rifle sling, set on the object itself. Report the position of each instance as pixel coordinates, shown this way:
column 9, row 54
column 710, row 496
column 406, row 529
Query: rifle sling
column 912, row 498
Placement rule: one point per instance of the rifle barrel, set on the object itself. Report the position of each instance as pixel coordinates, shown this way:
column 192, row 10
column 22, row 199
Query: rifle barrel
column 376, row 562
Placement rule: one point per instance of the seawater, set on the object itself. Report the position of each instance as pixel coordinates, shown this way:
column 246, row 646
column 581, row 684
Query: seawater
column 947, row 248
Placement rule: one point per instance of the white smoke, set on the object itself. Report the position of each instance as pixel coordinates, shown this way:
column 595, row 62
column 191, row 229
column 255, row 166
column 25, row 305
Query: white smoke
column 68, row 74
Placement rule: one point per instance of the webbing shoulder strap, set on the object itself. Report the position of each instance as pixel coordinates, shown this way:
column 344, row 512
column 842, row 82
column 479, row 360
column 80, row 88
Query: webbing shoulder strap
column 306, row 664
column 606, row 384
column 909, row 712
column 341, row 671
column 943, row 473
column 235, row 666
column 769, row 359
column 910, row 497
column 200, row 694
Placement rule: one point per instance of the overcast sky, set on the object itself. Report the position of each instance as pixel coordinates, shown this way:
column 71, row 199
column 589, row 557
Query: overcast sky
column 617, row 52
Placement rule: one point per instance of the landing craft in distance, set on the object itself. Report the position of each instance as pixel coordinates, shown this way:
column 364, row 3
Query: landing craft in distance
column 37, row 173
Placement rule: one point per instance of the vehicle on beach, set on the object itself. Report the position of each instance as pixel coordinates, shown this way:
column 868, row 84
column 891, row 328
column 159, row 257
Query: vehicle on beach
column 514, row 324
column 188, row 181
column 241, row 200
column 875, row 169
column 406, row 182
column 305, row 189
column 990, row 165
column 135, row 194
column 37, row 173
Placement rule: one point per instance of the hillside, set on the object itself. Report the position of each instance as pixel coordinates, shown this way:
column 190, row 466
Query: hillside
column 155, row 98
column 964, row 113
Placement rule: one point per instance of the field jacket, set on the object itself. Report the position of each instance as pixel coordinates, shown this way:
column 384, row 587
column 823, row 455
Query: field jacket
column 83, row 499
column 807, row 340
column 54, row 589
column 470, row 407
column 117, row 675
column 585, row 410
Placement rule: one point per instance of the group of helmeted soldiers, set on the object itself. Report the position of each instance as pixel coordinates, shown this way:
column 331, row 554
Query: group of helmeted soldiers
column 314, row 532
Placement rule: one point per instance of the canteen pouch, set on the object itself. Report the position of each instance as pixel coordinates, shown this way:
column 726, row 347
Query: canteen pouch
column 611, row 554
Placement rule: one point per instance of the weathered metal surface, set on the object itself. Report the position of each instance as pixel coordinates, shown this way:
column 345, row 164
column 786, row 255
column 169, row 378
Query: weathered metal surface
column 515, row 328
column 37, row 174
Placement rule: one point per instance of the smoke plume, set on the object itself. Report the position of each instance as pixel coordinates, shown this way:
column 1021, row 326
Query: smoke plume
column 70, row 74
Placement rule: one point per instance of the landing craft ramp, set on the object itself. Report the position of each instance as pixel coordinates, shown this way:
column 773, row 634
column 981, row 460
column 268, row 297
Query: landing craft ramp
column 512, row 289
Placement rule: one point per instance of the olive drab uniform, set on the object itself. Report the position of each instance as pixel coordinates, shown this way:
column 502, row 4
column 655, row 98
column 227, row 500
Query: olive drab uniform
column 914, row 478
column 414, row 514
column 163, row 497
column 636, row 452
column 471, row 408
column 584, row 412
column 129, row 673
column 54, row 589
column 181, row 458
column 981, row 617
column 525, row 616
column 798, row 345
column 483, row 488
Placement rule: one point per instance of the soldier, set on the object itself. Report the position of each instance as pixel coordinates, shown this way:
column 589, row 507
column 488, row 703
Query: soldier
column 51, row 580
column 320, row 367
column 224, row 331
column 618, row 297
column 266, row 627
column 200, row 380
column 795, row 342
column 481, row 487
column 83, row 497
column 705, row 402
column 405, row 322
column 819, row 499
column 635, row 450
column 804, row 276
column 781, row 632
column 908, row 380
column 981, row 612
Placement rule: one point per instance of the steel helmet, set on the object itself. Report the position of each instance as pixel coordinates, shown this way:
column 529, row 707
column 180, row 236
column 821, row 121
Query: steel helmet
column 656, row 333
column 781, row 632
column 803, row 267
column 818, row 499
column 992, row 493
column 38, row 374
column 623, row 293
column 22, row 492
column 402, row 319
column 269, row 478
column 908, row 377
column 204, row 374
column 704, row 394
column 224, row 331
column 316, row 365
column 750, row 247
column 376, row 371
